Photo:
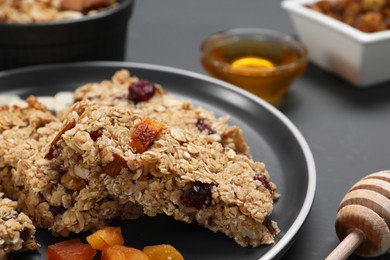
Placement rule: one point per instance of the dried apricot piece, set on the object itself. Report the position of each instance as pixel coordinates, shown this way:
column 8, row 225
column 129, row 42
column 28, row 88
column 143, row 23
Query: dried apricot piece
column 162, row 252
column 114, row 168
column 118, row 252
column 107, row 236
column 144, row 134
column 70, row 249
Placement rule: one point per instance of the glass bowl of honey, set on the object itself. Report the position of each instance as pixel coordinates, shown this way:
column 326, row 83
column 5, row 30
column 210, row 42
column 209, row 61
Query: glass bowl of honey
column 263, row 62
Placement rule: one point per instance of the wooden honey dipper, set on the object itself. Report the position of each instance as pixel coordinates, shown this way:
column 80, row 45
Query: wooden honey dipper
column 363, row 219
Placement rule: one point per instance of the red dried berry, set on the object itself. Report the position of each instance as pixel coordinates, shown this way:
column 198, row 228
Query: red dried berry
column 198, row 196
column 56, row 210
column 24, row 234
column 142, row 90
column 202, row 125
column 268, row 224
column 96, row 134
column 261, row 177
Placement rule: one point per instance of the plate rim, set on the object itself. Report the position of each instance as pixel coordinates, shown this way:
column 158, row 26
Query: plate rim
column 288, row 238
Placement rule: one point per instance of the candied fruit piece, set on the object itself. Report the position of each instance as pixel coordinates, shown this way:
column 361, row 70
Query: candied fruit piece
column 162, row 252
column 269, row 226
column 201, row 125
column 114, row 168
column 198, row 196
column 107, row 236
column 142, row 90
column 118, row 252
column 96, row 134
column 261, row 177
column 144, row 134
column 84, row 5
column 70, row 249
column 56, row 210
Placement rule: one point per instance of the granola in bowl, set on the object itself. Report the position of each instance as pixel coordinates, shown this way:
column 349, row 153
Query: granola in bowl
column 34, row 11
column 126, row 148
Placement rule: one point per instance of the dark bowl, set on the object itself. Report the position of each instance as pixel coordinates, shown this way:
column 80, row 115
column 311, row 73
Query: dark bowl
column 97, row 37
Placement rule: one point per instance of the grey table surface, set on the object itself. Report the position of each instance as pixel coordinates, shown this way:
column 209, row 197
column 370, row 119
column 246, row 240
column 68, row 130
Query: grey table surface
column 346, row 128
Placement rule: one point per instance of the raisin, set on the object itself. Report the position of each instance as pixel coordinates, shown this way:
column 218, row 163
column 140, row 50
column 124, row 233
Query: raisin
column 96, row 134
column 56, row 210
column 261, row 177
column 268, row 224
column 202, row 125
column 142, row 90
column 24, row 235
column 198, row 196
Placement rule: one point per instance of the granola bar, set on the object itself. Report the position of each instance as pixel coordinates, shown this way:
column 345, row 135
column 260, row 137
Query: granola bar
column 16, row 229
column 108, row 157
column 184, row 173
column 163, row 107
column 45, row 191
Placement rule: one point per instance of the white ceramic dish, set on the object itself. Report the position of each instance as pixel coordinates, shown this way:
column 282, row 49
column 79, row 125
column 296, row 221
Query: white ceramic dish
column 361, row 58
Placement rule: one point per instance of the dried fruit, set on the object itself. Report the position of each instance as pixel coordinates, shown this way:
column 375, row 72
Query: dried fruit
column 144, row 134
column 70, row 249
column 261, row 177
column 85, row 5
column 114, row 168
column 96, row 134
column 367, row 16
column 142, row 90
column 162, row 252
column 107, row 236
column 198, row 196
column 201, row 125
column 268, row 224
column 118, row 252
column 56, row 210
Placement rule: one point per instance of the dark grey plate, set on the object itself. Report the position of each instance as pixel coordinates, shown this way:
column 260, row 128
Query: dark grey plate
column 272, row 137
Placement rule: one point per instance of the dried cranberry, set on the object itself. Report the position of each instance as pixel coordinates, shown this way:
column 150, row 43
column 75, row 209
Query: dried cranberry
column 24, row 235
column 96, row 134
column 56, row 210
column 142, row 90
column 198, row 196
column 202, row 125
column 261, row 177
column 268, row 224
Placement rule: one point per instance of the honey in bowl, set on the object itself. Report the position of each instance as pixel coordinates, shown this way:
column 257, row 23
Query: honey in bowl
column 260, row 61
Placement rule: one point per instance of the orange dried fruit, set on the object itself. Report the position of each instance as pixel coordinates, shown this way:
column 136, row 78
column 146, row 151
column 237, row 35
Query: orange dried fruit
column 96, row 241
column 114, row 168
column 144, row 134
column 118, row 252
column 162, row 252
column 70, row 249
column 104, row 237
